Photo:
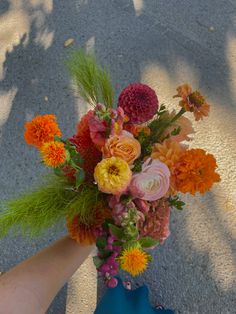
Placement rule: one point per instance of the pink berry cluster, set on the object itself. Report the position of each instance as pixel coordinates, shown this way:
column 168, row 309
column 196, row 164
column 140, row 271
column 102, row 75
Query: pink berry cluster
column 110, row 267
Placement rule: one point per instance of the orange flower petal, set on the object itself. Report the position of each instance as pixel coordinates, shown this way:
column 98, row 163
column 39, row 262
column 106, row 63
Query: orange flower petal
column 41, row 129
column 195, row 172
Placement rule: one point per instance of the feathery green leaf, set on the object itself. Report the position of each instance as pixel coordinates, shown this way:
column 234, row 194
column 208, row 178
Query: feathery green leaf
column 92, row 80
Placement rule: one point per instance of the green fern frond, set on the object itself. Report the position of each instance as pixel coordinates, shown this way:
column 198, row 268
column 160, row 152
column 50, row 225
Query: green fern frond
column 92, row 80
column 85, row 203
column 47, row 205
column 37, row 210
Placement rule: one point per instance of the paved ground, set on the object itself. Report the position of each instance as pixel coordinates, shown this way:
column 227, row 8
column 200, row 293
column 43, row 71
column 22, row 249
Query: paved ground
column 162, row 43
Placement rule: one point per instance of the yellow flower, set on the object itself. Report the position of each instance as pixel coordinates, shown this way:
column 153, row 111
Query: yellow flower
column 112, row 175
column 53, row 154
column 134, row 260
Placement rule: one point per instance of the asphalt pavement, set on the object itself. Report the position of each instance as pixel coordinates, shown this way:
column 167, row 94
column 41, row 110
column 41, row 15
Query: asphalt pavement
column 162, row 43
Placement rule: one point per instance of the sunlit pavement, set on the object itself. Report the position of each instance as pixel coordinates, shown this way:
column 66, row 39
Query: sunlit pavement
column 161, row 43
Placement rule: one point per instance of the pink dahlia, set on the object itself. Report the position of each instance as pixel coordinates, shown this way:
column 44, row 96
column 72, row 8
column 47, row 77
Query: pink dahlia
column 139, row 102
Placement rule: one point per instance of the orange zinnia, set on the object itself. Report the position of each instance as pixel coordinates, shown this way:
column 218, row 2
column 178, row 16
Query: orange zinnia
column 193, row 101
column 195, row 172
column 53, row 154
column 41, row 129
column 85, row 233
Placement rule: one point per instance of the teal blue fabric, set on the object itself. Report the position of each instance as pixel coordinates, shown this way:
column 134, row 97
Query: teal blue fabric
column 122, row 301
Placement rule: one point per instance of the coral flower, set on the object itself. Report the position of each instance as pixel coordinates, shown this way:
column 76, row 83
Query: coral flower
column 53, row 154
column 134, row 260
column 125, row 147
column 139, row 102
column 85, row 233
column 156, row 222
column 41, row 129
column 183, row 123
column 195, row 172
column 193, row 101
column 112, row 175
column 169, row 152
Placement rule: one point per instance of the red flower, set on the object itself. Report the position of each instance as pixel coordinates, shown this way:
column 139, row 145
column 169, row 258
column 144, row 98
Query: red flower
column 139, row 102
column 85, row 233
column 85, row 146
column 98, row 129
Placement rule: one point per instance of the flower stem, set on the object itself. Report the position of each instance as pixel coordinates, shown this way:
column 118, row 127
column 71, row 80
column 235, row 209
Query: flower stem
column 176, row 117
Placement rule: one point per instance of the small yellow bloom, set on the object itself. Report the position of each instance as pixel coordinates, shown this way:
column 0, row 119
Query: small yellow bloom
column 134, row 260
column 112, row 175
column 53, row 154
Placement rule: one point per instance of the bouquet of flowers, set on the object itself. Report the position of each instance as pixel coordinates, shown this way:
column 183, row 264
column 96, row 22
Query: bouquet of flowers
column 116, row 180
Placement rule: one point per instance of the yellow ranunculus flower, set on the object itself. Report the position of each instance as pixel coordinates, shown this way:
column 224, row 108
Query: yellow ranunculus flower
column 112, row 175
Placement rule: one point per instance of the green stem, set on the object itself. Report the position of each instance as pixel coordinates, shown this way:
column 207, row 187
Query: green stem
column 176, row 117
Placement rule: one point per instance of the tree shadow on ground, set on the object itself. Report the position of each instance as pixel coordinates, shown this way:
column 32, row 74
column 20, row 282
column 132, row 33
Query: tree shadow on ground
column 127, row 42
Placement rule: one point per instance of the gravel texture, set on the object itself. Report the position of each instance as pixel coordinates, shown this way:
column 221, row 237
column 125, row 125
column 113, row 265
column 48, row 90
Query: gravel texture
column 161, row 43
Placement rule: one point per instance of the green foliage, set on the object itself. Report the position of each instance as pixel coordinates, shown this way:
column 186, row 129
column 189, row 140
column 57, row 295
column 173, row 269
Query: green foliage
column 92, row 80
column 176, row 131
column 80, row 176
column 137, row 165
column 45, row 206
column 157, row 126
column 98, row 262
column 117, row 232
column 84, row 202
column 176, row 202
column 131, row 244
column 37, row 210
column 101, row 242
column 129, row 224
column 147, row 242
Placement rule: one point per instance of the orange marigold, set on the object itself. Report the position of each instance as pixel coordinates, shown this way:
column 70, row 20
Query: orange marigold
column 41, row 129
column 193, row 101
column 85, row 233
column 195, row 172
column 169, row 152
column 53, row 154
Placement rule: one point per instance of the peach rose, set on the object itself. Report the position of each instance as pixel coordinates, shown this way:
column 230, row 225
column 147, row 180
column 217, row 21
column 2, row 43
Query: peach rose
column 124, row 146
